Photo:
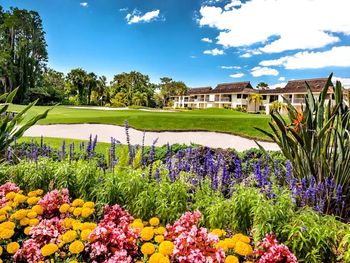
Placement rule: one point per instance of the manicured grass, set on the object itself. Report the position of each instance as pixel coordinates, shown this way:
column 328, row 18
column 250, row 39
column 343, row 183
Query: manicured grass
column 219, row 120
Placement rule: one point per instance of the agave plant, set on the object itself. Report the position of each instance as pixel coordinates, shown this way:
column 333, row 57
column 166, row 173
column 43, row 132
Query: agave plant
column 316, row 139
column 13, row 127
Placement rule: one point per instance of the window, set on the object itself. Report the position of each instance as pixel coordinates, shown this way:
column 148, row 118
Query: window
column 245, row 96
column 239, row 96
column 264, row 97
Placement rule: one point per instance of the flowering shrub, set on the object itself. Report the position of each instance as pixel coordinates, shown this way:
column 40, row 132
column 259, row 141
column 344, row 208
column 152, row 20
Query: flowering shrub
column 54, row 228
column 270, row 251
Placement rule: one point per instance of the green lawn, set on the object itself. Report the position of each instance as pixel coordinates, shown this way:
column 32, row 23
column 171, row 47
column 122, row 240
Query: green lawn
column 220, row 120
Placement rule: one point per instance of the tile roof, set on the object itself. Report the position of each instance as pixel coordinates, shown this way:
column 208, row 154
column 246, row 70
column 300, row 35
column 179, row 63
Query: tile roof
column 202, row 90
column 236, row 87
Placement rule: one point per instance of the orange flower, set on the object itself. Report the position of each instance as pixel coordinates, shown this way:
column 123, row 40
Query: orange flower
column 297, row 121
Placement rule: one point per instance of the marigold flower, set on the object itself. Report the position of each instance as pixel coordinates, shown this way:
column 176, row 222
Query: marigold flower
column 218, row 232
column 90, row 205
column 12, row 247
column 1, row 250
column 69, row 236
column 34, row 222
column 231, row 259
column 77, row 211
column 8, row 225
column 7, row 233
column 147, row 233
column 64, row 208
column 2, row 218
column 230, row 243
column 137, row 224
column 147, row 249
column 164, row 260
column 160, row 230
column 88, row 225
column 32, row 214
column 20, row 214
column 19, row 198
column 10, row 195
column 73, row 261
column 27, row 230
column 24, row 221
column 39, row 191
column 155, row 258
column 154, row 221
column 78, row 202
column 159, row 238
column 33, row 200
column 166, row 248
column 222, row 244
column 76, row 247
column 49, row 249
column 86, row 212
column 32, row 194
column 243, row 249
column 38, row 209
column 67, row 222
column 84, row 235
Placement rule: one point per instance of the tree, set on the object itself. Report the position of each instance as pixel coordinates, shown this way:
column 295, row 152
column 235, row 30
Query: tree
column 168, row 88
column 23, row 53
column 102, row 89
column 262, row 86
column 256, row 98
column 77, row 80
column 277, row 106
column 91, row 82
column 133, row 83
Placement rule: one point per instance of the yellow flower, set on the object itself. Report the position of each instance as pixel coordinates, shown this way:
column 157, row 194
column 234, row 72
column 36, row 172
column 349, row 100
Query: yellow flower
column 77, row 225
column 222, row 244
column 147, row 249
column 159, row 238
column 77, row 211
column 218, row 232
column 20, row 214
column 155, row 258
column 27, row 230
column 67, row 222
column 64, row 208
column 88, row 225
column 245, row 239
column 33, row 222
column 78, row 202
column 32, row 194
column 86, row 212
column 160, row 230
column 137, row 224
column 231, row 259
column 7, row 233
column 166, row 248
column 243, row 249
column 69, row 236
column 230, row 243
column 10, row 195
column 33, row 200
column 76, row 247
column 90, row 205
column 38, row 209
column 147, row 233
column 154, row 221
column 164, row 260
column 8, row 225
column 2, row 218
column 49, row 249
column 84, row 235
column 32, row 214
column 1, row 250
column 12, row 247
column 19, row 198
column 39, row 191
column 24, row 221
column 73, row 261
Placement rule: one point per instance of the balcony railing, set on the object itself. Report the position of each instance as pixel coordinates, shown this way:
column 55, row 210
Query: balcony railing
column 225, row 99
column 298, row 100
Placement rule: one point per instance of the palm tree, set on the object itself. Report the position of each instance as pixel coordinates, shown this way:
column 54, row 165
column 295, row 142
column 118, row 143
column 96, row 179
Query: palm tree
column 139, row 99
column 277, row 106
column 101, row 87
column 256, row 98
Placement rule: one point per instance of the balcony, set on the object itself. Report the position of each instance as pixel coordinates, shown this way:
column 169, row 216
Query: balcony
column 298, row 100
column 225, row 100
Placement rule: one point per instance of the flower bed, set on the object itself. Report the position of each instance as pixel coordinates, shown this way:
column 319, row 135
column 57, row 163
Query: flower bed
column 41, row 228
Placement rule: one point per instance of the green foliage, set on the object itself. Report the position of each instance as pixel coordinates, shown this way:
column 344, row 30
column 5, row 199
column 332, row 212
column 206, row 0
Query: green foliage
column 13, row 127
column 313, row 237
column 317, row 140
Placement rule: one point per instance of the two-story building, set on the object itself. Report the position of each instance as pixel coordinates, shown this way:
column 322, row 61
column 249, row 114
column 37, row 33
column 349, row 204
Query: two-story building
column 236, row 95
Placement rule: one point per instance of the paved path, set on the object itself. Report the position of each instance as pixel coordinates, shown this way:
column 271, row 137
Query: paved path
column 105, row 132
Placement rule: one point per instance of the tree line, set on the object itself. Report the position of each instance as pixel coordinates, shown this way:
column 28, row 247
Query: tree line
column 23, row 64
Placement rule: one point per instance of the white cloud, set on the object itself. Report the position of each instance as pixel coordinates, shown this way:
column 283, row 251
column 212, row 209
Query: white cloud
column 335, row 57
column 344, row 81
column 230, row 67
column 206, row 39
column 281, row 78
column 246, row 55
column 193, row 56
column 250, row 52
column 137, row 17
column 214, row 52
column 123, row 9
column 263, row 71
column 84, row 4
column 279, row 25
column 237, row 75
column 234, row 3
column 278, row 85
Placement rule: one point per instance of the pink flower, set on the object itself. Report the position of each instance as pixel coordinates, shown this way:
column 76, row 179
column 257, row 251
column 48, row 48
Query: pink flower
column 52, row 201
column 5, row 189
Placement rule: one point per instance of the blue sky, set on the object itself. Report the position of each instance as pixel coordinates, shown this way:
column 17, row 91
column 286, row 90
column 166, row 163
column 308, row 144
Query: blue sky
column 201, row 42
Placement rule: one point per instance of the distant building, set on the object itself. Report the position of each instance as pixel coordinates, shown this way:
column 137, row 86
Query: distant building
column 236, row 95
